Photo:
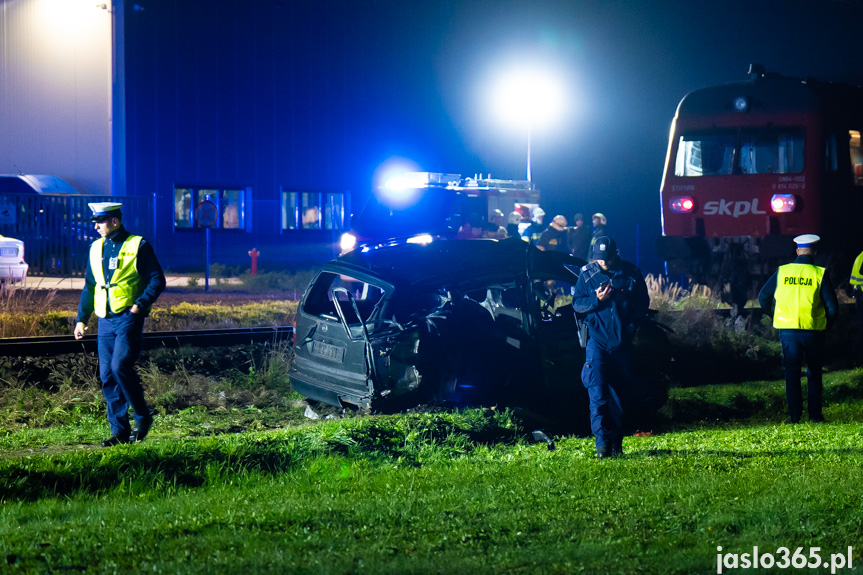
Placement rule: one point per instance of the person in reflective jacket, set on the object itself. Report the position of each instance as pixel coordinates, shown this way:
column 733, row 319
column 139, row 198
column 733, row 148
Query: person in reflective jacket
column 802, row 302
column 122, row 281
column 613, row 294
column 856, row 281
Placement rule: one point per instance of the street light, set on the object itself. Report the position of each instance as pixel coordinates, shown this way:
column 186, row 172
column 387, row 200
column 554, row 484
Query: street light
column 529, row 99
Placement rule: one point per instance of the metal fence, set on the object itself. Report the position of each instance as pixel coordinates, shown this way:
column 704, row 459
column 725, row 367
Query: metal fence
column 56, row 228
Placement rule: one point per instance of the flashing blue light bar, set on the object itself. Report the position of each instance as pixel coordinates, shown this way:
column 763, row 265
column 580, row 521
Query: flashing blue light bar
column 421, row 239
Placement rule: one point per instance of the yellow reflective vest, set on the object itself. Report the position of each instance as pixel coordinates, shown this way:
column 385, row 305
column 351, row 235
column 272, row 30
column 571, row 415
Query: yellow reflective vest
column 125, row 284
column 798, row 298
column 856, row 277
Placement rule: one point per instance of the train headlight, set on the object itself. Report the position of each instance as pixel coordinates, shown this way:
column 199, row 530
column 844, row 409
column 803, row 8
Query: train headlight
column 741, row 104
column 682, row 205
column 783, row 203
column 347, row 242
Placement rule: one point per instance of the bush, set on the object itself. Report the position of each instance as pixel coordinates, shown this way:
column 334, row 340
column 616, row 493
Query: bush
column 188, row 316
column 41, row 391
column 291, row 283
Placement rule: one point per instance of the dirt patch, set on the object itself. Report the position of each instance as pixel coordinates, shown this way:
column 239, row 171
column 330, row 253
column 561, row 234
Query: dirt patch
column 41, row 301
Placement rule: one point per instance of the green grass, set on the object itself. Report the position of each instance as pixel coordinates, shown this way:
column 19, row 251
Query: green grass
column 442, row 492
column 233, row 478
column 184, row 316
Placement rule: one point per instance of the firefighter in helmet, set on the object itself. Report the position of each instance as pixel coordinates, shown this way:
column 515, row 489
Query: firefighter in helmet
column 532, row 232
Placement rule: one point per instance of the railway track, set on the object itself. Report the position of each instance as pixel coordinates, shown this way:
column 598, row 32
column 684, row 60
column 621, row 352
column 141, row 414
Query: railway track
column 58, row 345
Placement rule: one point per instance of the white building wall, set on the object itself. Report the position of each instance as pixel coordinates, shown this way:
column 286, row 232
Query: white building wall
column 55, row 90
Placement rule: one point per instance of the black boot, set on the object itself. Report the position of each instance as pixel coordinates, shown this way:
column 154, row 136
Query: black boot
column 142, row 430
column 115, row 440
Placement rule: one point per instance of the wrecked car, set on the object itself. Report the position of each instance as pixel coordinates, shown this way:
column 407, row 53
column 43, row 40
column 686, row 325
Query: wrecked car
column 463, row 322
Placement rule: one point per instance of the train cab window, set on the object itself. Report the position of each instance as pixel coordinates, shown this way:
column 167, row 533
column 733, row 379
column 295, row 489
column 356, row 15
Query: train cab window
column 854, row 145
column 705, row 155
column 754, row 152
column 771, row 152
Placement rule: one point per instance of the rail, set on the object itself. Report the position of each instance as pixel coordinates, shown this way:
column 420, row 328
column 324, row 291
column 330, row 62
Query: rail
column 57, row 345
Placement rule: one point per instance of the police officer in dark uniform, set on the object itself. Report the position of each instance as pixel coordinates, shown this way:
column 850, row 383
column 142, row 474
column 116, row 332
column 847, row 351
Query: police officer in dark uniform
column 802, row 302
column 599, row 223
column 122, row 281
column 613, row 294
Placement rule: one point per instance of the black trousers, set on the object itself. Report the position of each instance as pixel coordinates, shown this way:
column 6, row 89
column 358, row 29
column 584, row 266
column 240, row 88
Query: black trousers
column 799, row 345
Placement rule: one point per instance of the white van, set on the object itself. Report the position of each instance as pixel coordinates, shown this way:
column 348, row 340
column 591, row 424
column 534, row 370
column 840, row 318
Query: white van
column 13, row 268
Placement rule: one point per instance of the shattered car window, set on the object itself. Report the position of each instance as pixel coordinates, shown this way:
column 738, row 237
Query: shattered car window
column 330, row 286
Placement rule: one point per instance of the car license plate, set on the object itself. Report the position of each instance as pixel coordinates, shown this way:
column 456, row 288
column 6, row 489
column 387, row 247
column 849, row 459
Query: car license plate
column 9, row 252
column 328, row 351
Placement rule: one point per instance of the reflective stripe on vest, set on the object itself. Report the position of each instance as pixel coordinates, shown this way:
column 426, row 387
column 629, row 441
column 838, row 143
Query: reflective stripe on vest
column 798, row 299
column 856, row 274
column 125, row 281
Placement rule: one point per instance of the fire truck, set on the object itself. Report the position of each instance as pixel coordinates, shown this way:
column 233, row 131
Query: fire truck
column 416, row 205
column 751, row 165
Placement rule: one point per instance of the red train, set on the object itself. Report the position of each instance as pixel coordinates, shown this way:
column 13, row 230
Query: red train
column 751, row 165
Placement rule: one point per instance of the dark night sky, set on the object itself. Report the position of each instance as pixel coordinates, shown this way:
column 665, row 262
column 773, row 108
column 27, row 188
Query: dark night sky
column 626, row 66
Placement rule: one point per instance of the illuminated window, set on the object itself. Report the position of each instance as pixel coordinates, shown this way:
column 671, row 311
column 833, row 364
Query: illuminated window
column 312, row 210
column 232, row 209
column 831, row 157
column 230, row 205
column 854, row 145
column 289, row 211
column 182, row 208
column 334, row 211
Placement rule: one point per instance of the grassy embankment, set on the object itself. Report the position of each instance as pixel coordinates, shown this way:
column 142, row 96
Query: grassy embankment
column 438, row 492
column 435, row 493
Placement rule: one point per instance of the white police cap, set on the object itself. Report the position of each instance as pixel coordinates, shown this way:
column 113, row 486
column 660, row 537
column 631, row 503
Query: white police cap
column 104, row 210
column 806, row 240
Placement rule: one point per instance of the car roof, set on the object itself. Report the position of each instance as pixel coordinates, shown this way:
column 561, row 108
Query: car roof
column 451, row 259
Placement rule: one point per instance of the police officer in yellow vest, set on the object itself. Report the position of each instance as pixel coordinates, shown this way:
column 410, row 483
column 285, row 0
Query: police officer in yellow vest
column 123, row 280
column 801, row 299
column 856, row 282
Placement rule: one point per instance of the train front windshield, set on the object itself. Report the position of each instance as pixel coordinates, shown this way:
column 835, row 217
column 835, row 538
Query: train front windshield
column 723, row 152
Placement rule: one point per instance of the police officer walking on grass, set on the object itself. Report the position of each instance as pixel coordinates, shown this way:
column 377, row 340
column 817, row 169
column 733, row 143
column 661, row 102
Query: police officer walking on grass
column 614, row 296
column 803, row 304
column 122, row 281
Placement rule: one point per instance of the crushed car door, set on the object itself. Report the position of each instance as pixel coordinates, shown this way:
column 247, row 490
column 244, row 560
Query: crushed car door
column 336, row 316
